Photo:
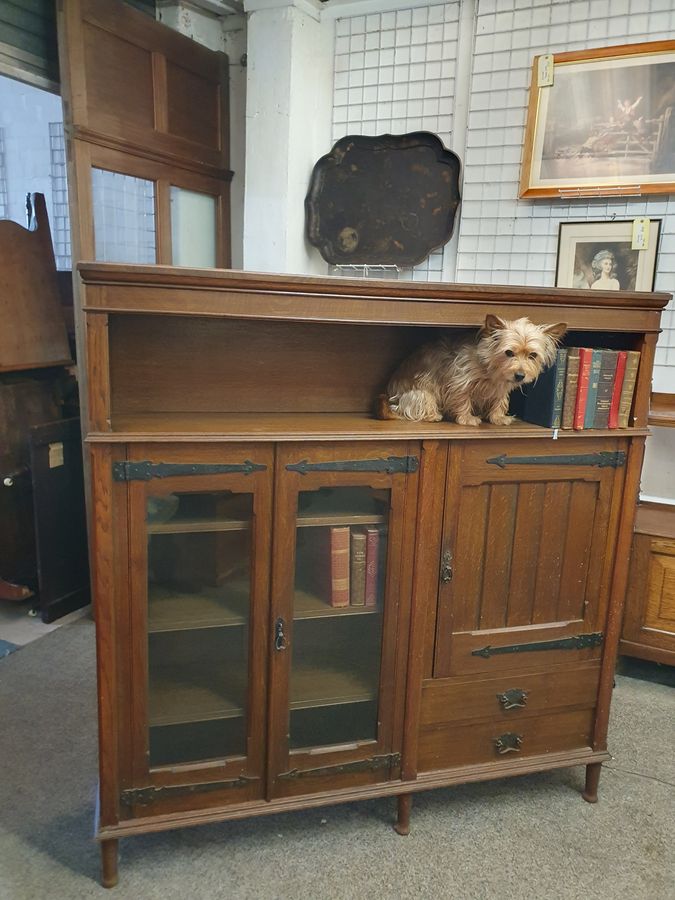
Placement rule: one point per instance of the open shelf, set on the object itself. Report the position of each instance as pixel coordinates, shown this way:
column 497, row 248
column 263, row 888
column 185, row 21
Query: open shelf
column 217, row 607
column 179, row 426
column 198, row 693
column 320, row 684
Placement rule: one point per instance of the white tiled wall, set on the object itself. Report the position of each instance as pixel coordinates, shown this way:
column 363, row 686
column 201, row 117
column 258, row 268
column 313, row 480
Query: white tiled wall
column 395, row 73
column 502, row 240
column 4, row 204
column 60, row 223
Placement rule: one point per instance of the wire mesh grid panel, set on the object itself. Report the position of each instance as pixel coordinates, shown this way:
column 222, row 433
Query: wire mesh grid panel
column 60, row 224
column 124, row 217
column 394, row 74
column 503, row 240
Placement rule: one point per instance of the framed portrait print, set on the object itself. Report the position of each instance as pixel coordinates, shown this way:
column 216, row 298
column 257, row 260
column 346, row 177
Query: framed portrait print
column 600, row 256
column 605, row 125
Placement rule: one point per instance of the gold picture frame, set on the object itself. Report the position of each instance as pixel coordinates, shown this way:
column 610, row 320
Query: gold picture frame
column 606, row 124
column 583, row 248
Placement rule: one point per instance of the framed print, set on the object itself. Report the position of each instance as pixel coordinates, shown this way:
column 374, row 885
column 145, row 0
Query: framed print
column 605, row 125
column 600, row 256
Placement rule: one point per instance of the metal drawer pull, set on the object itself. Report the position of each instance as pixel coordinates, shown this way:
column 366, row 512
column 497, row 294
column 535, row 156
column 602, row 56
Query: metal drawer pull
column 508, row 743
column 513, row 698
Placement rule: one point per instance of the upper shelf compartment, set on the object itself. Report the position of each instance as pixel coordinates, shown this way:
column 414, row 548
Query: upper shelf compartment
column 213, row 354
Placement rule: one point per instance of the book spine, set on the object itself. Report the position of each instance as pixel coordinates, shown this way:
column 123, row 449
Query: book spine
column 628, row 387
column 616, row 391
column 559, row 388
column 592, row 396
column 571, row 381
column 605, row 386
column 585, row 358
column 372, row 565
column 357, row 593
column 339, row 566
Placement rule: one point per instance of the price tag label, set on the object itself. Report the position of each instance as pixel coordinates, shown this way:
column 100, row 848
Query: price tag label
column 55, row 455
column 640, row 234
column 545, row 70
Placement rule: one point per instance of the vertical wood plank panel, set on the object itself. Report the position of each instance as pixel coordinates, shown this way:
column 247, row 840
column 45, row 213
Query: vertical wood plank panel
column 553, row 530
column 498, row 549
column 526, row 538
column 574, row 574
column 469, row 558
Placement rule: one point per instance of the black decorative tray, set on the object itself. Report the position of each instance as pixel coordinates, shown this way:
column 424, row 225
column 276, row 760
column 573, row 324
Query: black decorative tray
column 387, row 200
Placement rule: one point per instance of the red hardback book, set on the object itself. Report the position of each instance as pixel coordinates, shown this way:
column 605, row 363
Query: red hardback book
column 372, row 565
column 339, row 566
column 616, row 390
column 585, row 360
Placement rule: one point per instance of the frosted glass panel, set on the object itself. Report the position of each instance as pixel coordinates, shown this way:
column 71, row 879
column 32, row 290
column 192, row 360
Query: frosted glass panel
column 193, row 228
column 124, row 217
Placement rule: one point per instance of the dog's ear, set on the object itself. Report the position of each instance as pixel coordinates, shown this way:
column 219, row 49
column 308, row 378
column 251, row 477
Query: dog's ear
column 555, row 332
column 493, row 323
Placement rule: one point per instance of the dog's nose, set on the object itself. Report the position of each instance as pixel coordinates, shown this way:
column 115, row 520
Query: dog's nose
column 519, row 376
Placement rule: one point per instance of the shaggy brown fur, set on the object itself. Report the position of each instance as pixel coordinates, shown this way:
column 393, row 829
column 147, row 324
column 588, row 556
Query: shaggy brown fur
column 470, row 379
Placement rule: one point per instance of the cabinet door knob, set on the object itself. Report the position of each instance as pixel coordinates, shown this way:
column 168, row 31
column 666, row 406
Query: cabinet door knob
column 513, row 698
column 446, row 567
column 280, row 642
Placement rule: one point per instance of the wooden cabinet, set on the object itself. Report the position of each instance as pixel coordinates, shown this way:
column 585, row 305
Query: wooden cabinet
column 236, row 465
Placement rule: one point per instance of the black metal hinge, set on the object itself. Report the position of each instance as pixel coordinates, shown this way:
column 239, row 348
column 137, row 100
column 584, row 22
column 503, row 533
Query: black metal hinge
column 391, row 465
column 576, row 642
column 602, row 459
column 144, row 470
column 361, row 765
column 146, row 795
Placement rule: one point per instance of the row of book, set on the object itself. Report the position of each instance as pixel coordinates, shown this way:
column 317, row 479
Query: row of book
column 354, row 566
column 584, row 388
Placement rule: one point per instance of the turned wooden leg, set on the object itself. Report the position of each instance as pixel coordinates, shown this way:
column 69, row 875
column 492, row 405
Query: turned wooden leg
column 402, row 825
column 590, row 793
column 109, row 863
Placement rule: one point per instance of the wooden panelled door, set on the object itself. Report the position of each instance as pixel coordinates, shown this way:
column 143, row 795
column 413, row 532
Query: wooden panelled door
column 199, row 524
column 526, row 555
column 341, row 588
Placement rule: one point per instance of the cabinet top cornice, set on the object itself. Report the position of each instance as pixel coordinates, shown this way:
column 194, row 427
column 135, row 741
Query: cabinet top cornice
column 410, row 291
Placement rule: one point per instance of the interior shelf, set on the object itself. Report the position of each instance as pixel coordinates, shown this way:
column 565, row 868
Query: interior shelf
column 340, row 519
column 187, row 426
column 317, row 685
column 307, row 605
column 192, row 526
column 172, row 610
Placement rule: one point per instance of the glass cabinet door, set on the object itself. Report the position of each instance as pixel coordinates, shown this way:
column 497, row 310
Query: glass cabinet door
column 199, row 596
column 339, row 593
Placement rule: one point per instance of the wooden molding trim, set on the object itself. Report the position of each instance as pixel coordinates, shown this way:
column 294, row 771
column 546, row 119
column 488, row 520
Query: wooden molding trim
column 662, row 410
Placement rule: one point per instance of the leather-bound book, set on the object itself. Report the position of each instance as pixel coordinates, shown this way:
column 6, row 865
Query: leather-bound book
column 628, row 387
column 592, row 395
column 605, row 388
column 339, row 566
column 541, row 402
column 372, row 565
column 616, row 389
column 357, row 591
column 585, row 358
column 571, row 383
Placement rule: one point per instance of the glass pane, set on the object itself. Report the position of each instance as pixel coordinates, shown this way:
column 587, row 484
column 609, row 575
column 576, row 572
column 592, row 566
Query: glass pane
column 124, row 217
column 341, row 549
column 199, row 563
column 193, row 228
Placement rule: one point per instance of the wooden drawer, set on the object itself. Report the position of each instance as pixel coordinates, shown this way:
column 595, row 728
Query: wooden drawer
column 508, row 697
column 449, row 745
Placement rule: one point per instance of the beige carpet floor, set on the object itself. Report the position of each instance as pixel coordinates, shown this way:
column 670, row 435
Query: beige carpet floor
column 524, row 838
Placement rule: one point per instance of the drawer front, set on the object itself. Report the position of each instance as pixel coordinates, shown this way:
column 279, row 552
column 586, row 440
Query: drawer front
column 508, row 697
column 495, row 741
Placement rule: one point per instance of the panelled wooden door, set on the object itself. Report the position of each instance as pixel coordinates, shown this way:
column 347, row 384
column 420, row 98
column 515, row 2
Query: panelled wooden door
column 342, row 569
column 526, row 555
column 199, row 525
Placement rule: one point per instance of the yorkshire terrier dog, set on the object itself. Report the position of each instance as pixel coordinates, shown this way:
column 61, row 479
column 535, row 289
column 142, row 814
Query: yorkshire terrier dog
column 470, row 379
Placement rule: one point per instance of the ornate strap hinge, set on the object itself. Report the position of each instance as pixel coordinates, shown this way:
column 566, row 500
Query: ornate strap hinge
column 392, row 465
column 144, row 470
column 576, row 642
column 147, row 795
column 602, row 459
column 361, row 765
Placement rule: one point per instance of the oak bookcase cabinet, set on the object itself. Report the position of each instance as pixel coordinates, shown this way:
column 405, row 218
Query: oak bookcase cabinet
column 230, row 432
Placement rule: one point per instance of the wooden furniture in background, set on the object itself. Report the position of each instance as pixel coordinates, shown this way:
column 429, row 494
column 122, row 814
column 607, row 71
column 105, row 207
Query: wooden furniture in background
column 649, row 624
column 233, row 447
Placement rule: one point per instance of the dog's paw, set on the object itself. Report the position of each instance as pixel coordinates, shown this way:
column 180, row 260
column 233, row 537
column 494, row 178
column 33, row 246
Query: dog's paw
column 500, row 419
column 468, row 420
